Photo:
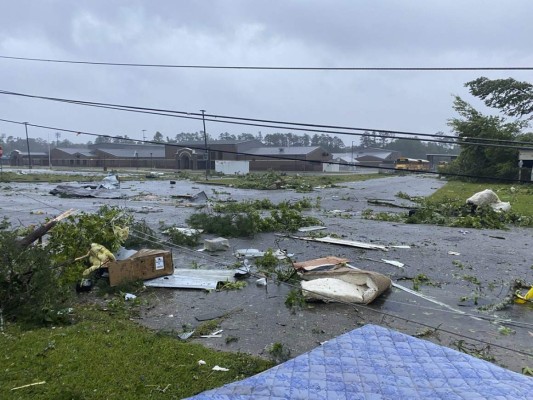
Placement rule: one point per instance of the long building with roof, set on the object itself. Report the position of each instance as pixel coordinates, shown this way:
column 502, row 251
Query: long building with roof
column 192, row 156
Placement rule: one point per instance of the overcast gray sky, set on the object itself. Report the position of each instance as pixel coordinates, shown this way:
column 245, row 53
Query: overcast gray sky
column 327, row 33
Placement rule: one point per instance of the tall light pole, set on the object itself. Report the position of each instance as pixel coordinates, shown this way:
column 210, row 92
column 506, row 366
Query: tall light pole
column 28, row 143
column 144, row 137
column 207, row 159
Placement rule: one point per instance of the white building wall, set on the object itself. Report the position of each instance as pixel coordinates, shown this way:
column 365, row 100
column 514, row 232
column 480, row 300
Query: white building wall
column 232, row 167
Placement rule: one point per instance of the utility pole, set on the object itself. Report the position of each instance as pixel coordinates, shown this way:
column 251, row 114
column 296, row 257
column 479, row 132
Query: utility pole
column 352, row 157
column 144, row 137
column 207, row 159
column 49, row 154
column 28, row 144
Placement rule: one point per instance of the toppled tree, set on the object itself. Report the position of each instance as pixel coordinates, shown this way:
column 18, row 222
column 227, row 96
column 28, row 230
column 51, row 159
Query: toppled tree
column 36, row 280
column 478, row 159
column 514, row 99
column 29, row 284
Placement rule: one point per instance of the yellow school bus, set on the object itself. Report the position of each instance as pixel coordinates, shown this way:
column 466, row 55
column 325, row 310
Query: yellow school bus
column 411, row 164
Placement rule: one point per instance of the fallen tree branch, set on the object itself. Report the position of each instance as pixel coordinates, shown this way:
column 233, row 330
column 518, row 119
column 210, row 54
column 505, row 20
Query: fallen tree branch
column 43, row 229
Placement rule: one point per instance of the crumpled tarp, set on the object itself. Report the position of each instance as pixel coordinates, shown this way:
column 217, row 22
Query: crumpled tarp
column 378, row 363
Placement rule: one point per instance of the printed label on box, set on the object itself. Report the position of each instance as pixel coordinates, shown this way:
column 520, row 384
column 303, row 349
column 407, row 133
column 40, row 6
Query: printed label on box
column 159, row 263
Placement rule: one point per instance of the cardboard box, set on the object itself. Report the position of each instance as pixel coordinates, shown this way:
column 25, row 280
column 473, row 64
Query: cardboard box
column 145, row 264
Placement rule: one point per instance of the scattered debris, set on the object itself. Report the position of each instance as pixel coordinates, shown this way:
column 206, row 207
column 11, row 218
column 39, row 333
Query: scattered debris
column 159, row 388
column 217, row 368
column 511, row 297
column 217, row 244
column 186, row 335
column 344, row 284
column 488, row 197
column 244, row 270
column 311, row 228
column 255, row 253
column 343, row 242
column 99, row 256
column 109, row 182
column 319, row 264
column 527, row 298
column 475, row 351
column 387, row 203
column 28, row 385
column 185, row 231
column 145, row 209
column 215, row 334
column 201, row 362
column 454, row 253
column 129, row 296
column 199, row 197
column 261, row 282
column 107, row 189
column 395, row 263
column 192, row 279
column 212, row 315
column 232, row 285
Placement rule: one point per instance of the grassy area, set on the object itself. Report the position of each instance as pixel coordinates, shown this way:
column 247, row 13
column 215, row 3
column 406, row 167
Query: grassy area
column 94, row 175
column 520, row 196
column 52, row 178
column 106, row 356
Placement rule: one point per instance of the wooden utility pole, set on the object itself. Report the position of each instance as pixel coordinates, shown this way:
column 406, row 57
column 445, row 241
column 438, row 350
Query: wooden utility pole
column 207, row 158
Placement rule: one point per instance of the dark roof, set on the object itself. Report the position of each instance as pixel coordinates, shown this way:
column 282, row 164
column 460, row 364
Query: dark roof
column 143, row 152
column 199, row 143
column 296, row 150
column 84, row 151
column 35, row 154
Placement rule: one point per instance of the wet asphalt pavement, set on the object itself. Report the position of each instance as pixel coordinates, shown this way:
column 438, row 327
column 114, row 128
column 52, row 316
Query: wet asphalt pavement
column 256, row 317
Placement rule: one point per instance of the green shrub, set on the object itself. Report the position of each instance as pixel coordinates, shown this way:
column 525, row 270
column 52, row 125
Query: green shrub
column 72, row 238
column 30, row 290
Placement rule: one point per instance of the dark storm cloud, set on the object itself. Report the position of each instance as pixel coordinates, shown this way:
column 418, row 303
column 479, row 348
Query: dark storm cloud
column 260, row 32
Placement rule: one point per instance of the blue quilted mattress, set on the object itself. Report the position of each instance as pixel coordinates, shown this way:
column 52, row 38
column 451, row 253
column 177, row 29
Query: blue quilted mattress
column 378, row 363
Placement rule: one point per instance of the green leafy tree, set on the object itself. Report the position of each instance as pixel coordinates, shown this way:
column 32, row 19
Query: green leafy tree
column 370, row 139
column 327, row 142
column 190, row 137
column 158, row 137
column 480, row 160
column 227, row 136
column 246, row 136
column 512, row 97
column 103, row 139
column 276, row 140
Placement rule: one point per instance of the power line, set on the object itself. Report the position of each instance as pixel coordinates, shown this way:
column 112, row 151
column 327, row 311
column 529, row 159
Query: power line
column 295, row 126
column 264, row 68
